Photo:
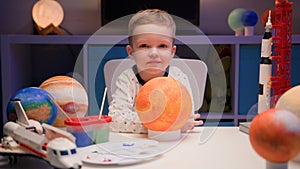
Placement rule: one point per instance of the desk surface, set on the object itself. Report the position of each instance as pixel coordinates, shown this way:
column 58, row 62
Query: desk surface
column 226, row 148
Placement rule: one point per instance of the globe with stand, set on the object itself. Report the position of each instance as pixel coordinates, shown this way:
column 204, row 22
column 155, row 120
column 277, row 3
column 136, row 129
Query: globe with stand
column 235, row 21
column 164, row 106
column 249, row 20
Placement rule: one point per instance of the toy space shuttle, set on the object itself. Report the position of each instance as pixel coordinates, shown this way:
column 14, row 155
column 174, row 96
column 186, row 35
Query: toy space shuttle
column 25, row 137
column 265, row 69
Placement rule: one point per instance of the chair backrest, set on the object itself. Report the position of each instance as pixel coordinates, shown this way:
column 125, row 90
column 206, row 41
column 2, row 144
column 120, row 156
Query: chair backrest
column 196, row 70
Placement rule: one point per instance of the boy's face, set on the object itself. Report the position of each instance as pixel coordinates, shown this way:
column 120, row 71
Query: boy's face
column 152, row 51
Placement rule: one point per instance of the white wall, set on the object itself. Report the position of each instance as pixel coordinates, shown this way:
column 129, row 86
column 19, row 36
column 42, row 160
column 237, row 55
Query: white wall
column 15, row 16
column 81, row 16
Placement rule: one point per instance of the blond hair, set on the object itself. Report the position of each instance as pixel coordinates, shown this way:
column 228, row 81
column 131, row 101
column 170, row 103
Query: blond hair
column 152, row 16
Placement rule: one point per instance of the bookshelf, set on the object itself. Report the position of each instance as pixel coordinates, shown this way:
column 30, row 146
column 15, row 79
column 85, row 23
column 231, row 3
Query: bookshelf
column 22, row 54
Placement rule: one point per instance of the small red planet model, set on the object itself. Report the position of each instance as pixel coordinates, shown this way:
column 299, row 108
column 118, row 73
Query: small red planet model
column 275, row 135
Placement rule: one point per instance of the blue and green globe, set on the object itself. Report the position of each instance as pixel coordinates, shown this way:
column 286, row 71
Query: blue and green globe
column 36, row 102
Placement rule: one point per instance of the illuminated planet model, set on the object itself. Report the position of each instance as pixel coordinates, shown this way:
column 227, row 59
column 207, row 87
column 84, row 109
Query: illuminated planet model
column 70, row 96
column 274, row 134
column 45, row 12
column 163, row 104
column 37, row 104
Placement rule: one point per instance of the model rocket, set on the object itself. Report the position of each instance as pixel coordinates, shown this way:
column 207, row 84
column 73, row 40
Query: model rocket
column 265, row 69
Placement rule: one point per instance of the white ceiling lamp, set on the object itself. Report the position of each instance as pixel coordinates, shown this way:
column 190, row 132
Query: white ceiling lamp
column 47, row 15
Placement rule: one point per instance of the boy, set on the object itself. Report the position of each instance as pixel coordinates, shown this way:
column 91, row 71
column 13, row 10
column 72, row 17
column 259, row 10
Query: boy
column 151, row 45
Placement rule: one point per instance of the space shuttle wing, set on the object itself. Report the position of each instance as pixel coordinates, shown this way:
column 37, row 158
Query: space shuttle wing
column 22, row 117
column 54, row 132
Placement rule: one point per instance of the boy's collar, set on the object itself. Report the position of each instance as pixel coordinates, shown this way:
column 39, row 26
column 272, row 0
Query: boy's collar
column 139, row 78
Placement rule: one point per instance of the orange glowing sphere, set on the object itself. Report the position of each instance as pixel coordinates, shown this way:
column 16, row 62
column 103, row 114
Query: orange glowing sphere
column 70, row 96
column 163, row 104
column 274, row 134
column 280, row 1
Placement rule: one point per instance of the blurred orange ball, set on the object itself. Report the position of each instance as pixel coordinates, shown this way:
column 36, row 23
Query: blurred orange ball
column 69, row 95
column 274, row 134
column 280, row 1
column 163, row 104
column 265, row 15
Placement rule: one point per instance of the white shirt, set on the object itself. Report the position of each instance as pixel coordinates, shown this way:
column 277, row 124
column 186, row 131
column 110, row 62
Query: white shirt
column 122, row 107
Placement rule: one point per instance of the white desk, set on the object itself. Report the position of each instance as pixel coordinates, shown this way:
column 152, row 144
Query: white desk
column 227, row 148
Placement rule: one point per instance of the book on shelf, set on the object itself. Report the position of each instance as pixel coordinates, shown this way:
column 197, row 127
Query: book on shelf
column 244, row 127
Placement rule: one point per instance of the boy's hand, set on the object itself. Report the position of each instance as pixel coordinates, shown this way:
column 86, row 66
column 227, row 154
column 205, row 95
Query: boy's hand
column 191, row 123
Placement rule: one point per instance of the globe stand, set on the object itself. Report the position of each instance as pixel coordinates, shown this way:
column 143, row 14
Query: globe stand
column 273, row 165
column 249, row 30
column 164, row 135
column 238, row 32
column 297, row 158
